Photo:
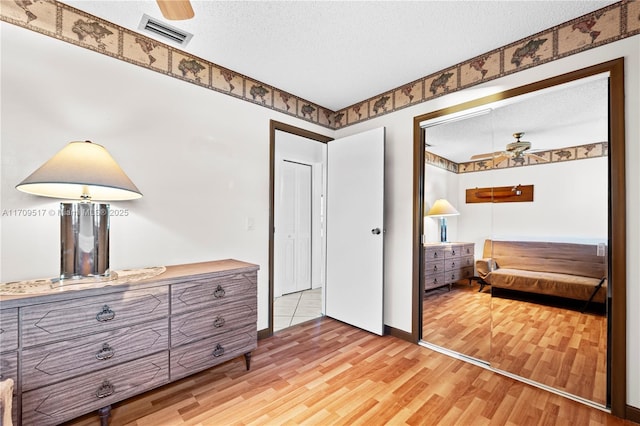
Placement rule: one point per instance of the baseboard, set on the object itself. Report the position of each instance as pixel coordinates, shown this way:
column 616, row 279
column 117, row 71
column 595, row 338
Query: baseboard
column 633, row 414
column 264, row 333
column 400, row 334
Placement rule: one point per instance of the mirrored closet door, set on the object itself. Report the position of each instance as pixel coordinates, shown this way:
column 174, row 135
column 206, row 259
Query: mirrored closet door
column 456, row 313
column 524, row 263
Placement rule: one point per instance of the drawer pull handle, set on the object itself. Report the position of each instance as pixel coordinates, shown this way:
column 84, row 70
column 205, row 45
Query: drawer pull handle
column 106, row 314
column 435, row 254
column 218, row 351
column 218, row 322
column 435, row 267
column 105, row 389
column 105, row 353
column 453, row 264
column 453, row 252
column 219, row 292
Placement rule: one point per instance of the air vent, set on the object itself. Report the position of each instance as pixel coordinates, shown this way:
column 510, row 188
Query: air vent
column 168, row 32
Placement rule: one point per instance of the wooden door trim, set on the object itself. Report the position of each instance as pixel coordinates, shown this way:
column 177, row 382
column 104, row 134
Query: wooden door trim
column 617, row 211
column 273, row 126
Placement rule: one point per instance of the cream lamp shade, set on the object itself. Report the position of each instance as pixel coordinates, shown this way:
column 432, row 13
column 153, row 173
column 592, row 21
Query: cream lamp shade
column 442, row 208
column 81, row 171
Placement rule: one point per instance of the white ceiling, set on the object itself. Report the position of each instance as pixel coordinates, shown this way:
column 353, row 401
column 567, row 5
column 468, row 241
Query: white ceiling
column 338, row 53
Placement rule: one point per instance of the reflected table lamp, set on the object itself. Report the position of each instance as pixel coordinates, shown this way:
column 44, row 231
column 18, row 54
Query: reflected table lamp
column 82, row 171
column 442, row 209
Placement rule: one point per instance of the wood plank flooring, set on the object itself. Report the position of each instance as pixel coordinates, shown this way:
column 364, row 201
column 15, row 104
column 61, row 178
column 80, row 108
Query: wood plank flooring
column 559, row 347
column 458, row 319
column 324, row 372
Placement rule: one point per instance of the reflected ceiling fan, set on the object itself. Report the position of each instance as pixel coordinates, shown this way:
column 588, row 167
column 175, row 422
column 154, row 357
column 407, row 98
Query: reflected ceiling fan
column 176, row 10
column 515, row 150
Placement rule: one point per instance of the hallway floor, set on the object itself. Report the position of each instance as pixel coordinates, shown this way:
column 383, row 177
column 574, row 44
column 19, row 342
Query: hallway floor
column 294, row 308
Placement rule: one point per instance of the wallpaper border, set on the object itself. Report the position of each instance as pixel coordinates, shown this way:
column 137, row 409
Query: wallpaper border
column 561, row 155
column 609, row 24
column 65, row 23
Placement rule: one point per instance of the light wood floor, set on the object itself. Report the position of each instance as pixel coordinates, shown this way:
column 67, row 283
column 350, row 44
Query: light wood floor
column 458, row 319
column 324, row 372
column 555, row 346
column 559, row 347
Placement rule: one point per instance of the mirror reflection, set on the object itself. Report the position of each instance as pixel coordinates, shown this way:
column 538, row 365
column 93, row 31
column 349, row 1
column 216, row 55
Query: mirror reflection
column 516, row 274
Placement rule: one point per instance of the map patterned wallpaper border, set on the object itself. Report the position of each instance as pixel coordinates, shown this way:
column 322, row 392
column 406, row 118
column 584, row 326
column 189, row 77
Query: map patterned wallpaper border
column 63, row 22
column 74, row 26
column 606, row 25
column 578, row 152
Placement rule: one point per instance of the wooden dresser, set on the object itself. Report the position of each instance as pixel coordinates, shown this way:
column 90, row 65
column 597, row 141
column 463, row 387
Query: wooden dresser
column 84, row 348
column 447, row 263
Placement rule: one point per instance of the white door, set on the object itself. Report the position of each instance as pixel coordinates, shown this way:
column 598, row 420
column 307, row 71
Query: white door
column 292, row 271
column 355, row 203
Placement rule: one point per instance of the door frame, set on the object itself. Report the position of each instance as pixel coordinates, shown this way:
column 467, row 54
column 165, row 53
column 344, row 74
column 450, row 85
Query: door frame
column 283, row 127
column 617, row 213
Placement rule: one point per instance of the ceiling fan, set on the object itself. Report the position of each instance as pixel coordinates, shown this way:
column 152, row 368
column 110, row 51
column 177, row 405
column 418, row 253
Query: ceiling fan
column 515, row 150
column 176, row 10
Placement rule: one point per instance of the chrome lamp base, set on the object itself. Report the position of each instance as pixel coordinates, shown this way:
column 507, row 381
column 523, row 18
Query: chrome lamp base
column 443, row 229
column 84, row 241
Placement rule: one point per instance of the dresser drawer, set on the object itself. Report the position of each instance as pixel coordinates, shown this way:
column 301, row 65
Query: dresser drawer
column 49, row 322
column 432, row 253
column 189, row 327
column 206, row 353
column 452, row 264
column 467, row 261
column 458, row 274
column 468, row 250
column 63, row 401
column 8, row 329
column 434, row 281
column 452, row 276
column 212, row 292
column 467, row 273
column 453, row 251
column 434, row 268
column 55, row 362
column 9, row 366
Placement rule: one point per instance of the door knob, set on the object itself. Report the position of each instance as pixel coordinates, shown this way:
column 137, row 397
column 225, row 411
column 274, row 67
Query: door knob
column 375, row 231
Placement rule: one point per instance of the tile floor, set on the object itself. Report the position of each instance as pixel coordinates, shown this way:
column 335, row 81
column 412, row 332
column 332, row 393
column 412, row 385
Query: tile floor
column 294, row 308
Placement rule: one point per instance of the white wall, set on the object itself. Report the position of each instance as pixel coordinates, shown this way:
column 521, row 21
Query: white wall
column 201, row 159
column 570, row 204
column 299, row 149
column 439, row 183
column 399, row 164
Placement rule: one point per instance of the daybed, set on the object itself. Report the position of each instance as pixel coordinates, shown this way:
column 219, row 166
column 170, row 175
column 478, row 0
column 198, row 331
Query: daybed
column 574, row 271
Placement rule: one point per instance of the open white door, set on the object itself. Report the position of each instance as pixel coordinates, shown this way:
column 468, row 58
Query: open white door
column 355, row 230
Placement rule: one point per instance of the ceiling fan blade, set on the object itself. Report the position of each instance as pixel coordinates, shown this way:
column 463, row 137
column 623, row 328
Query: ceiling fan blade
column 536, row 157
column 484, row 156
column 499, row 159
column 176, row 10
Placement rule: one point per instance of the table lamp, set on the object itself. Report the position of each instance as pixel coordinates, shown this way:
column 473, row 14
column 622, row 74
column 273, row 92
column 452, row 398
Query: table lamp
column 82, row 171
column 442, row 209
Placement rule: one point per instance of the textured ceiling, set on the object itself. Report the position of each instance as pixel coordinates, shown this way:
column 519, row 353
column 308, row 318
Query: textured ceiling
column 338, row 53
column 568, row 115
